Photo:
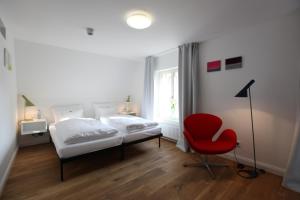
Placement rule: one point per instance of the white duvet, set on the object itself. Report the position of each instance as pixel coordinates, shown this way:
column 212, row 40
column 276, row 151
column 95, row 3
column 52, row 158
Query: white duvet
column 128, row 123
column 80, row 130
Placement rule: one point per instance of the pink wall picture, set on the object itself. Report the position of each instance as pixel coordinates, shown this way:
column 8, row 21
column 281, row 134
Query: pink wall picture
column 213, row 66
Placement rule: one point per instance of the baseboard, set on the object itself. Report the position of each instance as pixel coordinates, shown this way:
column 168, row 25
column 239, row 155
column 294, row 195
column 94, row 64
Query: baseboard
column 247, row 161
column 169, row 139
column 6, row 173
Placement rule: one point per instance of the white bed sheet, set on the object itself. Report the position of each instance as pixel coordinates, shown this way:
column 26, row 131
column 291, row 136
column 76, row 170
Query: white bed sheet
column 135, row 135
column 129, row 137
column 65, row 151
column 69, row 150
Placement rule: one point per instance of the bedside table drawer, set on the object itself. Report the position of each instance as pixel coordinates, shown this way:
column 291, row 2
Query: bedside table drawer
column 32, row 127
column 33, row 139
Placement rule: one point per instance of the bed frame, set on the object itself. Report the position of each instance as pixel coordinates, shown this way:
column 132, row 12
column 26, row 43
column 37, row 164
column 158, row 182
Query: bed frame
column 121, row 147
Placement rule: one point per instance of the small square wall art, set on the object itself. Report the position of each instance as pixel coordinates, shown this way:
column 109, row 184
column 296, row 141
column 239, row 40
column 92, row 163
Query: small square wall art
column 233, row 63
column 213, row 66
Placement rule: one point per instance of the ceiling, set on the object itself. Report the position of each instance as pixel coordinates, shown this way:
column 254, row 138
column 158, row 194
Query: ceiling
column 62, row 22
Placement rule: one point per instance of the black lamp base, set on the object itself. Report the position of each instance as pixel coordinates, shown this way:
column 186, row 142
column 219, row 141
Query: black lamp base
column 250, row 173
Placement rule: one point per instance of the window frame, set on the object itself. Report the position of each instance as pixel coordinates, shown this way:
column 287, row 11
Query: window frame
column 173, row 71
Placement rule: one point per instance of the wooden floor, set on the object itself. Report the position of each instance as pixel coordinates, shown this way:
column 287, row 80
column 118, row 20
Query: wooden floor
column 146, row 173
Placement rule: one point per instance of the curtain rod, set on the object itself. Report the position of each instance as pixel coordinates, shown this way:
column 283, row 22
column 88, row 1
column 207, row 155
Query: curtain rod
column 165, row 51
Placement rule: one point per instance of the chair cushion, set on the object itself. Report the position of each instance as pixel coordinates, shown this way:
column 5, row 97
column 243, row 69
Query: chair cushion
column 217, row 147
column 225, row 143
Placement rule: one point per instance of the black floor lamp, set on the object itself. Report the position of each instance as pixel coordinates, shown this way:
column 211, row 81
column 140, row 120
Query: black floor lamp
column 249, row 173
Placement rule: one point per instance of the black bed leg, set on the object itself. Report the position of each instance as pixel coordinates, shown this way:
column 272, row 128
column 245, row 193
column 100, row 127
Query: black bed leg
column 158, row 142
column 50, row 140
column 122, row 152
column 61, row 170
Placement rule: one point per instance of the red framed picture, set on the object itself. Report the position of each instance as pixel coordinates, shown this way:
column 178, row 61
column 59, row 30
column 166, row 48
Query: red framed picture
column 213, row 66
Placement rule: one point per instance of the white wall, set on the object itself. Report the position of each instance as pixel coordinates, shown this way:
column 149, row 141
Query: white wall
column 167, row 59
column 8, row 145
column 271, row 53
column 50, row 75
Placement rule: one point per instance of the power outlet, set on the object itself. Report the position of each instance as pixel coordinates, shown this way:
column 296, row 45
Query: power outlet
column 238, row 144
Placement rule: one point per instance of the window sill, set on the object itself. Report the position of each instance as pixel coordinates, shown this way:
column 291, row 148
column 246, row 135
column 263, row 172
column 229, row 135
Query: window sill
column 170, row 122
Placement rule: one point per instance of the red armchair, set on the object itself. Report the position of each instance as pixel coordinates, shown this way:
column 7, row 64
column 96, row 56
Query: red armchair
column 199, row 130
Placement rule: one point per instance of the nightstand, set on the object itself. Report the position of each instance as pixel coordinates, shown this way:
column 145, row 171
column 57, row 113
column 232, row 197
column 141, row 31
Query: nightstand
column 33, row 132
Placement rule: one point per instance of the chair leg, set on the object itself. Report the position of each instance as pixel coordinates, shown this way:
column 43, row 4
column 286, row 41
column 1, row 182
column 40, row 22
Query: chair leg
column 212, row 174
column 194, row 164
column 205, row 160
column 207, row 165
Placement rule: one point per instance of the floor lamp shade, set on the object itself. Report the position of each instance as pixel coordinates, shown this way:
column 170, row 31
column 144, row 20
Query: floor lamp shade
column 244, row 91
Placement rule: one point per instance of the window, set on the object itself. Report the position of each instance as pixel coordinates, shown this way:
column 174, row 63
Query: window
column 166, row 95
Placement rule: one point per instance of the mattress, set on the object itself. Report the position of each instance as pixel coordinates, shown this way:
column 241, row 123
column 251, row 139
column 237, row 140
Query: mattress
column 129, row 137
column 69, row 150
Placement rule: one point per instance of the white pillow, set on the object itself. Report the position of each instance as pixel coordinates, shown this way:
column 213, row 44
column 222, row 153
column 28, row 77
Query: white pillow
column 104, row 110
column 61, row 113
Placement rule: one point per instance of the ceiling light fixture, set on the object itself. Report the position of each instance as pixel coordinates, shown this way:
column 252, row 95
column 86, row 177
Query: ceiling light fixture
column 139, row 19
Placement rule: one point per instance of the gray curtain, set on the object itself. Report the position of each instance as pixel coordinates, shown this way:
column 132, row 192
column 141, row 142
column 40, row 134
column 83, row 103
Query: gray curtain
column 147, row 105
column 292, row 176
column 189, row 87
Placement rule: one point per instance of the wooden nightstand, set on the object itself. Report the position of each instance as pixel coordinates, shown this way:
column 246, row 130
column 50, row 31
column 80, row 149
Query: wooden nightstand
column 33, row 132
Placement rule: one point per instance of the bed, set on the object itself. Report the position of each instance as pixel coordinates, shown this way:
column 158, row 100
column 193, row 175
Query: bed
column 65, row 151
column 120, row 140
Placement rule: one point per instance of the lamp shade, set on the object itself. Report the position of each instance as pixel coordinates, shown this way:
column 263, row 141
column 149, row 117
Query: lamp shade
column 27, row 101
column 244, row 91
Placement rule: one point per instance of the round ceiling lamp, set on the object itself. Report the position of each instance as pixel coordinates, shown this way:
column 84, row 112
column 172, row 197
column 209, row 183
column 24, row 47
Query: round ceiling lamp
column 139, row 19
